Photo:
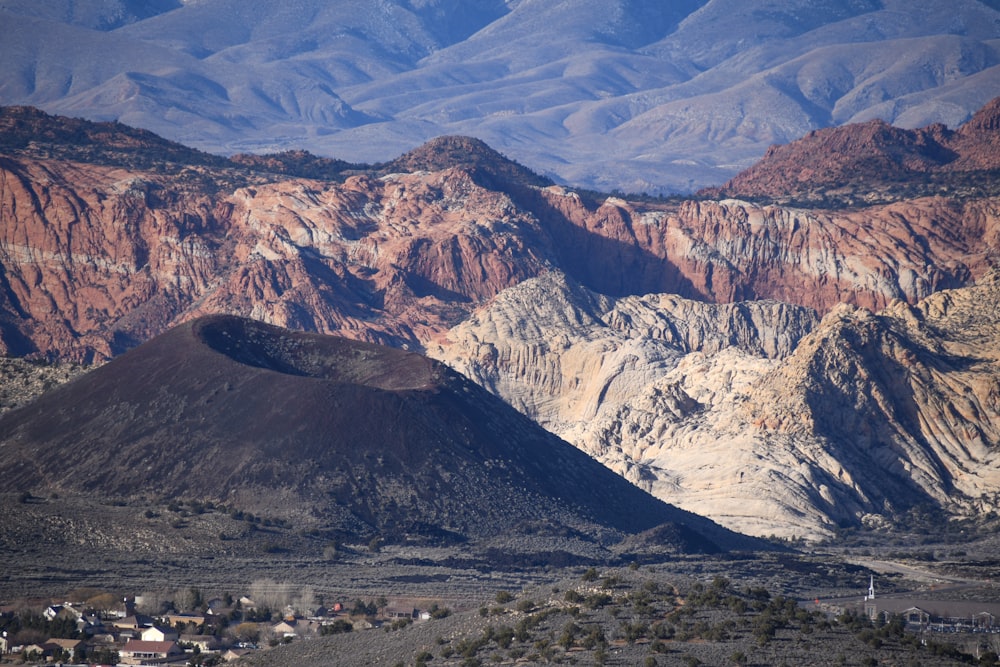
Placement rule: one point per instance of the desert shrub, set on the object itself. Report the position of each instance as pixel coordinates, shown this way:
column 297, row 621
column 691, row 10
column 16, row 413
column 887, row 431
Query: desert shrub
column 598, row 600
column 339, row 626
column 525, row 605
column 439, row 612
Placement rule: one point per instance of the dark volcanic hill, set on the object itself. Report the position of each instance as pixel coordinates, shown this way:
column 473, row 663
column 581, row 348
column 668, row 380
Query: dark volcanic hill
column 356, row 438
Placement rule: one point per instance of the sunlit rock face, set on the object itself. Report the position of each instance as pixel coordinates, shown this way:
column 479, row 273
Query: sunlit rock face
column 758, row 414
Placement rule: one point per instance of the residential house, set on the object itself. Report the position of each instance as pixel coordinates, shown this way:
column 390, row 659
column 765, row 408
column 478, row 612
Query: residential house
column 400, row 612
column 90, row 624
column 295, row 628
column 69, row 646
column 103, row 640
column 52, row 612
column 139, row 652
column 284, row 629
column 124, row 610
column 234, row 654
column 157, row 634
column 186, row 619
column 361, row 624
column 35, row 652
column 133, row 622
column 217, row 607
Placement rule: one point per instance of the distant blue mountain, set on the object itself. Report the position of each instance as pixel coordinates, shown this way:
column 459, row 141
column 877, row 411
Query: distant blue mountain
column 638, row 95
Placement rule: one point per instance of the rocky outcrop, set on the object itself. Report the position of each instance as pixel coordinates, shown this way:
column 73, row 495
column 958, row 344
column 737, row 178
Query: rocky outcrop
column 875, row 159
column 731, row 250
column 97, row 258
column 756, row 414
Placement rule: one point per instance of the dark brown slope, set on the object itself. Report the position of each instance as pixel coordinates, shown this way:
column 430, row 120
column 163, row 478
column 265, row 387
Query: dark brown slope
column 876, row 161
column 29, row 129
column 349, row 436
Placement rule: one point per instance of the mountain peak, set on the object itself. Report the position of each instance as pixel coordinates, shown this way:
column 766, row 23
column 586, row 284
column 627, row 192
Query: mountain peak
column 863, row 158
column 987, row 119
column 469, row 154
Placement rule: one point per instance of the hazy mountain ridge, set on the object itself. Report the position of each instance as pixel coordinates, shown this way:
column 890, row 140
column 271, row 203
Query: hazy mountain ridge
column 634, row 95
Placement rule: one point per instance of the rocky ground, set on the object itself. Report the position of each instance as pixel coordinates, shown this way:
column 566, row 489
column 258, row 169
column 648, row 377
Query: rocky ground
column 22, row 380
column 624, row 608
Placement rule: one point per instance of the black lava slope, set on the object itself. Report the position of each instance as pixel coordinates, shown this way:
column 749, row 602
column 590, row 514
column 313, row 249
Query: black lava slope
column 356, row 437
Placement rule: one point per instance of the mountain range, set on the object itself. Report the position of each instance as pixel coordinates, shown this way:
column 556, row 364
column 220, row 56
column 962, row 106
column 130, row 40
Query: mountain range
column 634, row 95
column 783, row 370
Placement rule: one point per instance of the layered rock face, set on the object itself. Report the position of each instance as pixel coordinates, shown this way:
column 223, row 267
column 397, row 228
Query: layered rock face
column 721, row 353
column 730, row 250
column 393, row 259
column 97, row 259
column 758, row 414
